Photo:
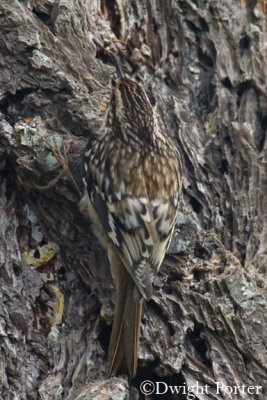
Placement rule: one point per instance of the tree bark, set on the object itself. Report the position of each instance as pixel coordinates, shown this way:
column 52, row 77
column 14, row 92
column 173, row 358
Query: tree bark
column 203, row 65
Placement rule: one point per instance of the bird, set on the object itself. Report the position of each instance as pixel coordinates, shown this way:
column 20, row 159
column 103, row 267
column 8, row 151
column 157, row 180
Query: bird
column 132, row 185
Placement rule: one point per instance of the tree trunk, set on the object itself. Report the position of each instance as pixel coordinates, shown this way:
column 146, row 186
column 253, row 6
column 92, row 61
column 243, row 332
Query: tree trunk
column 203, row 65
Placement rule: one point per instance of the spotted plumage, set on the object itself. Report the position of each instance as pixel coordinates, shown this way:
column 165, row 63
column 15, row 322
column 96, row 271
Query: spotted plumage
column 132, row 176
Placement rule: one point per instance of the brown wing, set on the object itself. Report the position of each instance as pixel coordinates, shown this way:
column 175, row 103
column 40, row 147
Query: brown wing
column 136, row 200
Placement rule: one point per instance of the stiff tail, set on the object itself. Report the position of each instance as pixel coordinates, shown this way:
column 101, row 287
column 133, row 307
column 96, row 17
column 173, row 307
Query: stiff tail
column 124, row 341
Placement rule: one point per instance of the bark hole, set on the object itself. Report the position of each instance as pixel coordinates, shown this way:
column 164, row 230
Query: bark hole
column 111, row 10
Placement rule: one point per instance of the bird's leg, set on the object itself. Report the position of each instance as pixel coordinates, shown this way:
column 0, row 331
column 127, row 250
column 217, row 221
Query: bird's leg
column 62, row 159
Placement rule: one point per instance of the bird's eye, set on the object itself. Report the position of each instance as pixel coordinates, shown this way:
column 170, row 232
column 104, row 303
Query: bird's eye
column 113, row 82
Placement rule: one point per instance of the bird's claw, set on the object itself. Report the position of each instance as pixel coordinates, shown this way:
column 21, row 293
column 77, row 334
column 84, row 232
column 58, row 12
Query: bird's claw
column 62, row 160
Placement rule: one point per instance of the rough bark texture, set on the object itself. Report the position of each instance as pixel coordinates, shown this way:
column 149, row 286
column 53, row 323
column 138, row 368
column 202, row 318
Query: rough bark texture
column 203, row 65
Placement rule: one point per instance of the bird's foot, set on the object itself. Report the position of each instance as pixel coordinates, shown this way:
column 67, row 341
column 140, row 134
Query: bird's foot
column 62, row 160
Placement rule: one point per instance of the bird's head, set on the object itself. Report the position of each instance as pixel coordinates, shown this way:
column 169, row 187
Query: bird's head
column 131, row 110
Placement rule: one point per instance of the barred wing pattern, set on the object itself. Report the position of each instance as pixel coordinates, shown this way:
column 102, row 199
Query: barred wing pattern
column 135, row 196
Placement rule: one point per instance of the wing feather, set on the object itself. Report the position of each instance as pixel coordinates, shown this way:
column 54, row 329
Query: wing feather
column 140, row 227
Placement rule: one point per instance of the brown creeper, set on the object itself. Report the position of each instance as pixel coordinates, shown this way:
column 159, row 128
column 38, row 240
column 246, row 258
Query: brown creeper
column 132, row 178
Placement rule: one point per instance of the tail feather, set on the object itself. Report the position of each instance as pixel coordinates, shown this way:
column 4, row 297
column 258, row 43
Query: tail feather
column 124, row 341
